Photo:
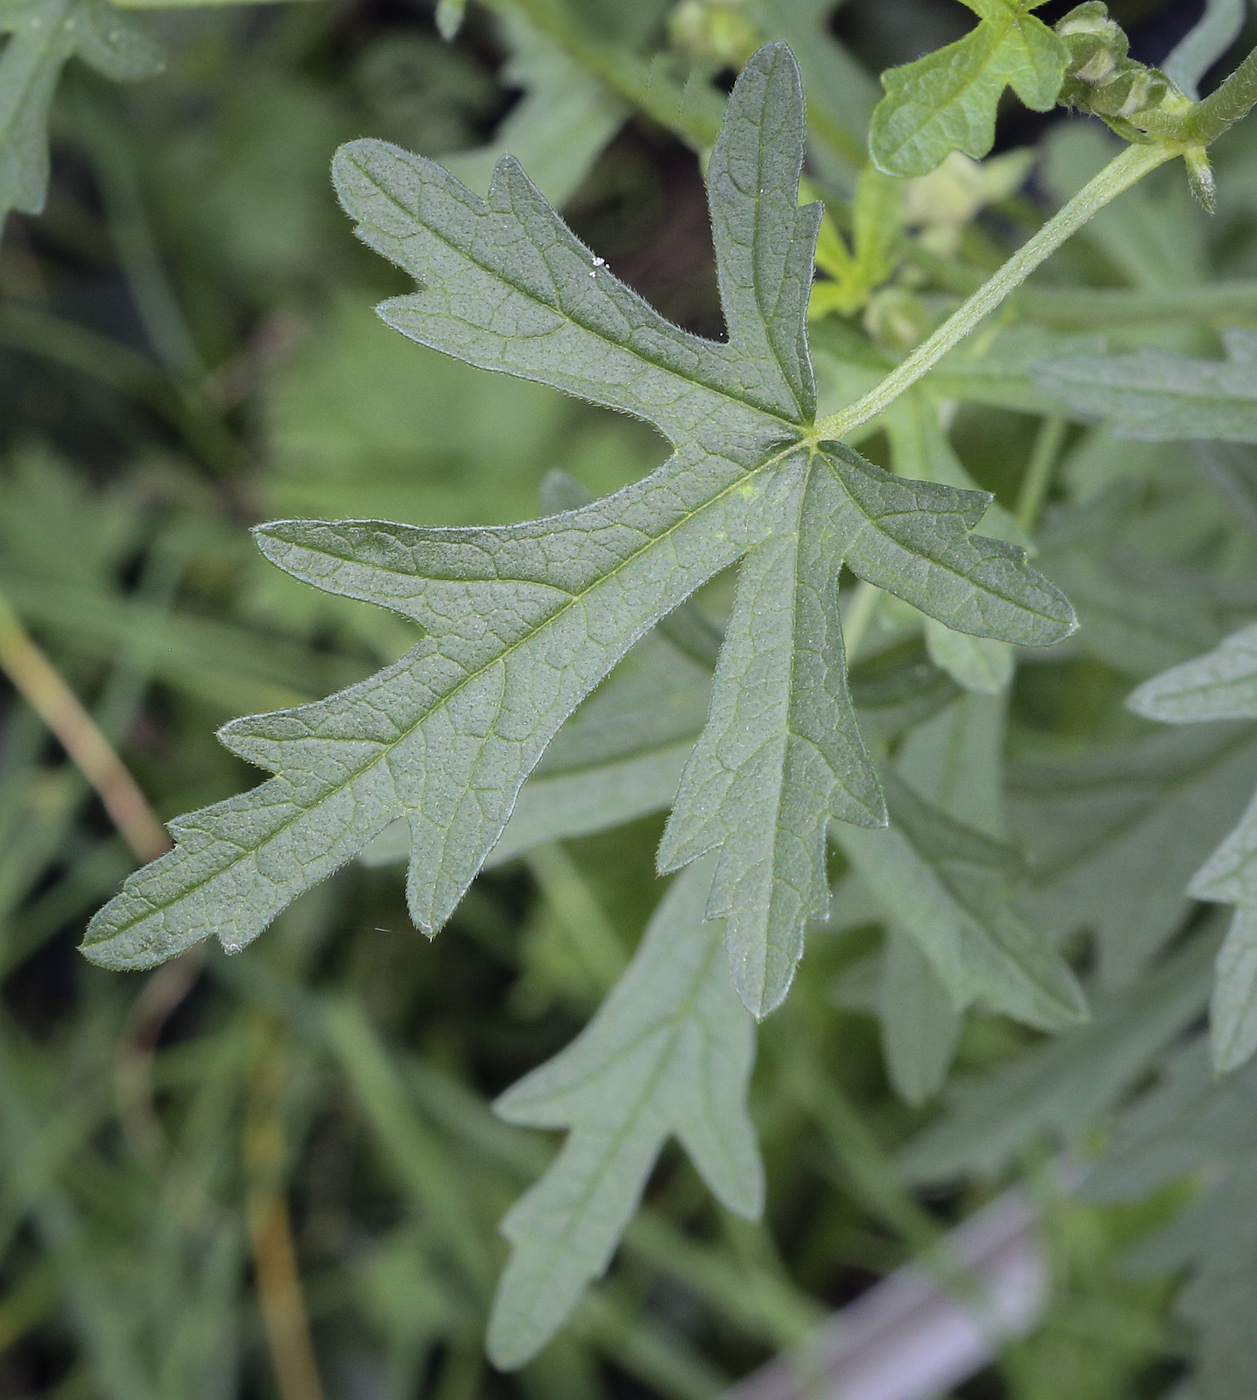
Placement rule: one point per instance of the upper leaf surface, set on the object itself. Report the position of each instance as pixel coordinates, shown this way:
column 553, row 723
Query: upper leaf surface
column 947, row 100
column 523, row 621
column 668, row 1054
column 506, row 285
column 1158, row 395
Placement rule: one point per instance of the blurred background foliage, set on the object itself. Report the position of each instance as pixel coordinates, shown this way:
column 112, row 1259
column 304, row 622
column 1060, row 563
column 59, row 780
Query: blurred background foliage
column 199, row 1163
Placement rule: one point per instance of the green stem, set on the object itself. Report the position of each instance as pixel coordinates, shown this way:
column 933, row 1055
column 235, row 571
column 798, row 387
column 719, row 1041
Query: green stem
column 1226, row 105
column 1043, row 458
column 1120, row 174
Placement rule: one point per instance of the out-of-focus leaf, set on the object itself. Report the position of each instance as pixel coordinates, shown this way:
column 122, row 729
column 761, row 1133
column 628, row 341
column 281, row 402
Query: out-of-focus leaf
column 951, row 889
column 1222, row 685
column 1193, row 1122
column 557, row 129
column 1157, row 395
column 1115, row 834
column 1204, row 44
column 669, row 1054
column 44, row 36
column 1140, row 611
column 920, row 1024
column 1060, row 1089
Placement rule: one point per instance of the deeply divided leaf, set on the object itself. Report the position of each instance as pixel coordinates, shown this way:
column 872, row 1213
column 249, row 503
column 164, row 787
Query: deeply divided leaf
column 669, row 1054
column 520, row 623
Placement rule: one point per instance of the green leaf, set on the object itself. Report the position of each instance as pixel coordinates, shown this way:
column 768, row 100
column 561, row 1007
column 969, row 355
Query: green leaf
column 1222, row 685
column 781, row 754
column 44, row 36
column 921, row 449
column 668, row 1054
column 1114, row 834
column 947, row 100
column 1156, row 395
column 920, row 1025
column 557, row 129
column 1194, row 1123
column 950, row 889
column 1139, row 613
column 522, row 622
column 1059, row 1090
column 1203, row 45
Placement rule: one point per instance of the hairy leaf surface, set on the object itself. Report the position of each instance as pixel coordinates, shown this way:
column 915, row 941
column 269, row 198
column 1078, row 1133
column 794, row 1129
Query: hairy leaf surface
column 522, row 622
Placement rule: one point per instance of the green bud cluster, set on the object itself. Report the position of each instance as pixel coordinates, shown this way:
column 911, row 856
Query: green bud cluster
column 1103, row 80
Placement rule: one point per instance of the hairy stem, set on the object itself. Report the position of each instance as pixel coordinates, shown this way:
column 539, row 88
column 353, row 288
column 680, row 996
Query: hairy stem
column 1226, row 105
column 1120, row 174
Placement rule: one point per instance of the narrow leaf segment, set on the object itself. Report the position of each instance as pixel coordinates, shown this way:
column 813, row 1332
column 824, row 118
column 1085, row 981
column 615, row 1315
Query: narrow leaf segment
column 669, row 1053
column 44, row 36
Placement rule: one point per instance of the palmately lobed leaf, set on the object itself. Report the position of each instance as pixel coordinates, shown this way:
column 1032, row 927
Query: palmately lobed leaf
column 522, row 622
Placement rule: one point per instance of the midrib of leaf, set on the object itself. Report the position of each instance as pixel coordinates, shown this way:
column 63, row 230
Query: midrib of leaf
column 940, row 563
column 448, row 696
column 954, row 94
column 790, row 734
column 768, row 315
column 629, row 1120
column 559, row 310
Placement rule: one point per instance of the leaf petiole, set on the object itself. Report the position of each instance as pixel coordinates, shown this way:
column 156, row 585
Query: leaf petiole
column 1119, row 175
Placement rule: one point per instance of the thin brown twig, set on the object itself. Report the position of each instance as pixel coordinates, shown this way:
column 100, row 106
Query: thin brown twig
column 162, row 994
column 43, row 687
column 48, row 694
column 270, row 1225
